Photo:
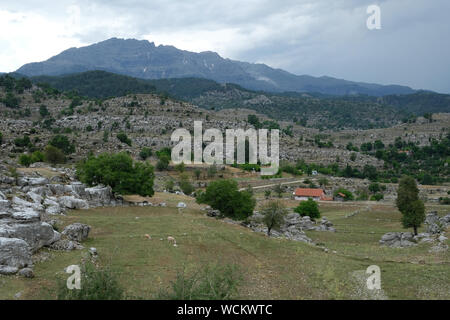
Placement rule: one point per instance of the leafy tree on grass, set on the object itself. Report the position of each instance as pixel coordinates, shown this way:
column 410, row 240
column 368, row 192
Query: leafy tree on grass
column 119, row 172
column 308, row 208
column 224, row 195
column 273, row 213
column 409, row 204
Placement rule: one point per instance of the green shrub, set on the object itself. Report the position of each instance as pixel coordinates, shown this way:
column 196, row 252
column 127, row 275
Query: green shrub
column 164, row 152
column 62, row 143
column 11, row 101
column 23, row 142
column 96, row 284
column 308, row 208
column 377, row 197
column 212, row 170
column 224, row 195
column 37, row 156
column 119, row 172
column 1, row 138
column 43, row 111
column 25, row 160
column 185, row 185
column 180, row 167
column 170, row 185
column 210, row 283
column 53, row 155
column 145, row 153
column 124, row 138
column 163, row 163
column 348, row 194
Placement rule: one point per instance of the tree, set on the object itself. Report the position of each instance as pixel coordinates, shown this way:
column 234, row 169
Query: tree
column 224, row 195
column 409, row 204
column 118, row 171
column 145, row 153
column 267, row 193
column 273, row 213
column 23, row 142
column 62, row 143
column 170, row 185
column 212, row 170
column 124, row 138
column 197, row 173
column 163, row 163
column 278, row 189
column 348, row 194
column 185, row 185
column 180, row 167
column 308, row 208
column 10, row 100
column 25, row 160
column 43, row 111
column 1, row 138
column 323, row 182
column 53, row 155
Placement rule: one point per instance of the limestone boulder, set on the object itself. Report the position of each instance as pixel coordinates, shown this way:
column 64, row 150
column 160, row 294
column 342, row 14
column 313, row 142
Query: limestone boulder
column 14, row 253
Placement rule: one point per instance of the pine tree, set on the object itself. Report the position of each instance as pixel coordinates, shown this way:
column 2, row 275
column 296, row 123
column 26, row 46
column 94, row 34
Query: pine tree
column 409, row 204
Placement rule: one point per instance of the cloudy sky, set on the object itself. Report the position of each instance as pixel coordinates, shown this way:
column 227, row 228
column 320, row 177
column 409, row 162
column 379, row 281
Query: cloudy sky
column 315, row 37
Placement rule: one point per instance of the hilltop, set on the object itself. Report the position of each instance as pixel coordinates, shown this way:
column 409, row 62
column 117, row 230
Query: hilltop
column 308, row 109
column 142, row 59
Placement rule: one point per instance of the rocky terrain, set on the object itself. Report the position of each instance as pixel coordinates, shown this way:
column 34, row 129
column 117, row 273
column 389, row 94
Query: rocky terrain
column 29, row 209
column 149, row 121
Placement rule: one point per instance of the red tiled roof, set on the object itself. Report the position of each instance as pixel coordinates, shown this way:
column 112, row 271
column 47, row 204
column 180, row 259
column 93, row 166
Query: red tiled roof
column 341, row 194
column 308, row 192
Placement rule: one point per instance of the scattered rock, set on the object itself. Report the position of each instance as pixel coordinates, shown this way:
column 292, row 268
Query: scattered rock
column 26, row 273
column 398, row 239
column 66, row 245
column 14, row 253
column 76, row 232
column 7, row 270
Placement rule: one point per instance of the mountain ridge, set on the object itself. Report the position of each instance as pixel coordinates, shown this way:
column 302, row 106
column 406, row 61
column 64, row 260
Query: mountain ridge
column 143, row 59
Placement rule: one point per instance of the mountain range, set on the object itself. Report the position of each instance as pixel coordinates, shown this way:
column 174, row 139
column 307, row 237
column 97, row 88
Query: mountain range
column 142, row 59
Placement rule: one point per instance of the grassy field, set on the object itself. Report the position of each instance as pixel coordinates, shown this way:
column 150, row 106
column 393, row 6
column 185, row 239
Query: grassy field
column 272, row 268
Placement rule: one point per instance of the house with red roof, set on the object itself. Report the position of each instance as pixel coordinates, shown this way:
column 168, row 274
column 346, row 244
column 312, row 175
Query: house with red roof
column 313, row 193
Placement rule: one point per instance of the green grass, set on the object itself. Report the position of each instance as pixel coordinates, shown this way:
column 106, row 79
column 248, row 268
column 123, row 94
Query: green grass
column 272, row 268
